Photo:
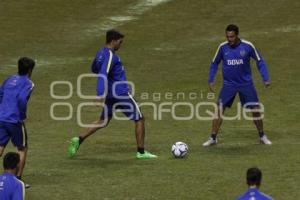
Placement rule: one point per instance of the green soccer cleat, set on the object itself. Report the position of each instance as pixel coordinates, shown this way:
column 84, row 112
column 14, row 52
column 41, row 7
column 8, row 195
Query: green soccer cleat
column 145, row 155
column 74, row 145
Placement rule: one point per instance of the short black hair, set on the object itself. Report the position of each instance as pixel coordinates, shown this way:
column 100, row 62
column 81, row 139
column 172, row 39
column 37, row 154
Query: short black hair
column 25, row 64
column 113, row 35
column 11, row 160
column 254, row 176
column 232, row 27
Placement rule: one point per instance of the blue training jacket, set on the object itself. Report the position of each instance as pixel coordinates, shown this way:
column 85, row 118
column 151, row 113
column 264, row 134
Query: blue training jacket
column 14, row 95
column 108, row 64
column 254, row 194
column 236, row 64
column 11, row 188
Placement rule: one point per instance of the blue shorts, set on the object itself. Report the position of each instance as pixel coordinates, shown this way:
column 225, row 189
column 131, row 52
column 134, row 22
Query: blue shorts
column 125, row 103
column 15, row 132
column 248, row 95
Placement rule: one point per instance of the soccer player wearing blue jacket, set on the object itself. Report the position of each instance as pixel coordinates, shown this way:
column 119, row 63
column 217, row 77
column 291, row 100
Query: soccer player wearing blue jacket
column 14, row 95
column 235, row 55
column 112, row 86
column 254, row 177
column 11, row 188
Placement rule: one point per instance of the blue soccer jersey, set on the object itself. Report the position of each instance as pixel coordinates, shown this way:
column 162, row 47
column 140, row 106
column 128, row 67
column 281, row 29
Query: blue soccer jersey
column 11, row 188
column 236, row 64
column 108, row 64
column 254, row 194
column 14, row 95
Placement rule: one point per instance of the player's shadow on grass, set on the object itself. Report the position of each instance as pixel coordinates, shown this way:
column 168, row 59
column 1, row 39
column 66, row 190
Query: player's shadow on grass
column 96, row 162
column 116, row 161
column 231, row 149
column 107, row 147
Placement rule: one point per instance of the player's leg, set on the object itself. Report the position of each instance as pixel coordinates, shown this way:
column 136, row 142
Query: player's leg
column 140, row 133
column 217, row 121
column 258, row 121
column 4, row 137
column 216, row 125
column 22, row 151
column 249, row 100
column 2, row 148
column 133, row 112
column 96, row 125
column 77, row 141
column 226, row 98
column 19, row 139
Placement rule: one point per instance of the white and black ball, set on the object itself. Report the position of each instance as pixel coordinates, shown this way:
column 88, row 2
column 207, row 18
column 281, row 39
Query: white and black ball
column 179, row 149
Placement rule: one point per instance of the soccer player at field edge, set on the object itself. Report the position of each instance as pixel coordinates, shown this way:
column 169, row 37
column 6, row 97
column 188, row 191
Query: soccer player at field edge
column 14, row 96
column 11, row 188
column 254, row 176
column 112, row 86
column 235, row 55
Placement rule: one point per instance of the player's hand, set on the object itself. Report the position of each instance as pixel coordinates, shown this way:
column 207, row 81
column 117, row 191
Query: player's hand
column 212, row 87
column 267, row 83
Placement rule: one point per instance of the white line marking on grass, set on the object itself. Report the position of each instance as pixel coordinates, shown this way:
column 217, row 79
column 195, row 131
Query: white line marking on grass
column 131, row 13
column 288, row 29
column 144, row 6
column 122, row 18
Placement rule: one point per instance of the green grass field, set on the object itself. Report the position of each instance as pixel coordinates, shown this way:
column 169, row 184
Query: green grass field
column 168, row 48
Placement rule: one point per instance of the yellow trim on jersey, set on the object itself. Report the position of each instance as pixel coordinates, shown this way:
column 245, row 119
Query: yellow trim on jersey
column 136, row 105
column 24, row 136
column 32, row 86
column 23, row 188
column 109, row 61
column 256, row 53
column 219, row 50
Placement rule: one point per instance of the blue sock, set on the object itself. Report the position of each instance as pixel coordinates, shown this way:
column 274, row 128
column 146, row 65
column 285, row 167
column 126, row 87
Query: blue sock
column 80, row 140
column 141, row 150
column 213, row 136
column 261, row 133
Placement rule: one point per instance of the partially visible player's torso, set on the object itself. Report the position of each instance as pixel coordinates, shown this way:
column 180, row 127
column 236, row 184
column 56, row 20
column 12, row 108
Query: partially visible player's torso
column 236, row 64
column 117, row 82
column 254, row 194
column 9, row 186
column 9, row 106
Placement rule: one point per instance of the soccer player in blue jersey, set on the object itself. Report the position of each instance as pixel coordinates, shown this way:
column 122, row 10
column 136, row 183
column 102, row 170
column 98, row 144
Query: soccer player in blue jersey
column 14, row 95
column 11, row 188
column 235, row 55
column 254, row 177
column 112, row 86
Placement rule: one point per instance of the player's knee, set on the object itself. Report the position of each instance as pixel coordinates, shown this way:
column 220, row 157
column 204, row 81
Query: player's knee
column 103, row 123
column 22, row 148
column 217, row 115
column 256, row 114
column 142, row 119
column 219, row 111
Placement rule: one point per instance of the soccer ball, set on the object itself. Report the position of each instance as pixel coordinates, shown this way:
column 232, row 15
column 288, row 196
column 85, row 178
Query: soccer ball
column 179, row 149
